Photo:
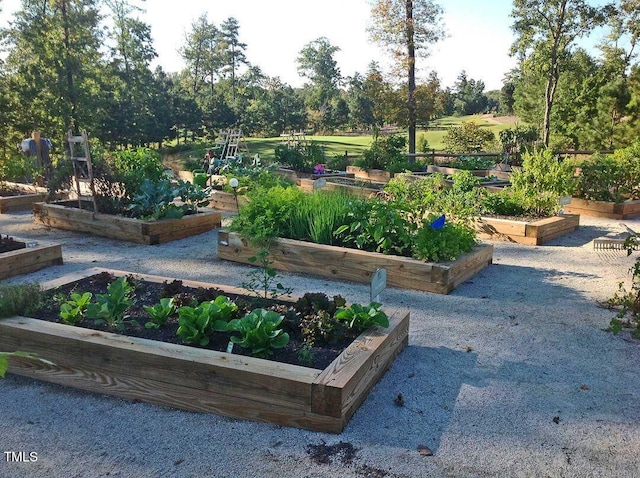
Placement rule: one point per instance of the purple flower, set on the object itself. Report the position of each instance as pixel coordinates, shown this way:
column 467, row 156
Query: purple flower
column 318, row 169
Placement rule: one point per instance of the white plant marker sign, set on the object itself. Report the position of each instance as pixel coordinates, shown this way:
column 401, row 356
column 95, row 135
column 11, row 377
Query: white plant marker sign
column 378, row 284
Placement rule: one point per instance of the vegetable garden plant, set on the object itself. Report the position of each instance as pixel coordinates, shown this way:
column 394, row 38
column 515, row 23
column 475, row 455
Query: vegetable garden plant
column 383, row 225
column 208, row 318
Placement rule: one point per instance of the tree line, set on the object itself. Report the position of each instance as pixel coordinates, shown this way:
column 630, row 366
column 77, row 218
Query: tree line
column 85, row 64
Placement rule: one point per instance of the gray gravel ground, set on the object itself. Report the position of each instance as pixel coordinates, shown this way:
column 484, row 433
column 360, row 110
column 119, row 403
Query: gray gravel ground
column 509, row 375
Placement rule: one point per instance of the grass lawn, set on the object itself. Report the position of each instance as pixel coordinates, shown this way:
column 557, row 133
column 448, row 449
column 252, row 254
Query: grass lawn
column 354, row 145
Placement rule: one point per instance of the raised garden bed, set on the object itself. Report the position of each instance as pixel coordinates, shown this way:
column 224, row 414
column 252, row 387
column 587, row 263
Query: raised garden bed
column 294, row 176
column 66, row 215
column 225, row 201
column 355, row 187
column 611, row 210
column 534, row 233
column 203, row 380
column 431, row 168
column 359, row 266
column 29, row 259
column 370, row 174
column 20, row 197
column 491, row 185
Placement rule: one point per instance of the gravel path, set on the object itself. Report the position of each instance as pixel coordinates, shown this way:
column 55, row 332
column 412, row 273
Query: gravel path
column 509, row 375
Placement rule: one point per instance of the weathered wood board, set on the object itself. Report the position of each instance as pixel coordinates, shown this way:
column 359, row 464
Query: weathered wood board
column 359, row 266
column 202, row 380
column 22, row 202
column 29, row 259
column 610, row 210
column 62, row 215
column 307, row 185
column 225, row 201
column 531, row 233
column 370, row 174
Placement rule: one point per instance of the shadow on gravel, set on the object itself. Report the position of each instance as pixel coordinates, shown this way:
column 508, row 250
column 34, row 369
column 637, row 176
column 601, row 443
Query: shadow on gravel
column 417, row 400
column 524, row 284
column 583, row 235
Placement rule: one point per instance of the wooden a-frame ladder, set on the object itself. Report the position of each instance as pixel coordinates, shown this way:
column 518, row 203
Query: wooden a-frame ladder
column 82, row 168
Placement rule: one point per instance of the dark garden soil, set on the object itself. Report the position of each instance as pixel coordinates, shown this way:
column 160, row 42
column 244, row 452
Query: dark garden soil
column 303, row 314
column 11, row 191
column 8, row 244
column 361, row 183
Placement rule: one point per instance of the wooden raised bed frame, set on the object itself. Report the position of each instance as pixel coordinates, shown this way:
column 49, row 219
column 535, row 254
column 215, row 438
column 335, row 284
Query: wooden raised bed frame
column 364, row 192
column 29, row 259
column 202, row 380
column 24, row 201
column 370, row 174
column 63, row 215
column 531, row 233
column 359, row 266
column 611, row 210
column 225, row 201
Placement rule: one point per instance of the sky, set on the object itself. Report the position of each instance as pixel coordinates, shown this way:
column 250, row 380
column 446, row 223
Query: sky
column 478, row 41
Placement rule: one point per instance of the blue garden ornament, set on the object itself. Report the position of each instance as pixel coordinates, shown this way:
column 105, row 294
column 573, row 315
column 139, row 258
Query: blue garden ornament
column 438, row 223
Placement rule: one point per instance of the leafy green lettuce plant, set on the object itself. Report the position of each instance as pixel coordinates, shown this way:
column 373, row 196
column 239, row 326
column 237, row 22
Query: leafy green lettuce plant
column 160, row 313
column 110, row 308
column 361, row 317
column 198, row 324
column 73, row 309
column 259, row 332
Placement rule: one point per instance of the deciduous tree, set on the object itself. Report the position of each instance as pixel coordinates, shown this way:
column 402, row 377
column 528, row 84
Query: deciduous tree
column 548, row 30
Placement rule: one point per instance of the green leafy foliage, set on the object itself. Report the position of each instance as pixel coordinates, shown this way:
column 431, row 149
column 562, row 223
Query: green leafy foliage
column 192, row 196
column 610, row 177
column 302, row 156
column 251, row 177
column 160, row 313
column 261, row 282
column 73, row 309
column 110, row 308
column 20, row 299
column 468, row 138
column 197, row 324
column 318, row 215
column 445, row 244
column 267, row 214
column 378, row 226
column 361, row 317
column 542, row 171
column 259, row 332
column 470, row 163
column 387, row 153
column 627, row 301
column 135, row 166
column 154, row 200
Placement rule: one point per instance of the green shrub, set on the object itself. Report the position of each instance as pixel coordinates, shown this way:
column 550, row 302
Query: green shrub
column 467, row 138
column 542, row 171
column 610, row 177
column 301, row 157
column 20, row 299
column 385, row 152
